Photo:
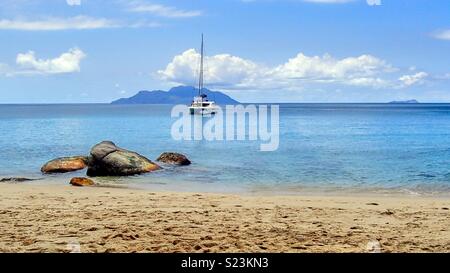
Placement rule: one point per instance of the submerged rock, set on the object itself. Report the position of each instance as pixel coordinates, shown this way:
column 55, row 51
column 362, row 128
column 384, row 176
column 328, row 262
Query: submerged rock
column 109, row 160
column 81, row 182
column 174, row 158
column 15, row 179
column 65, row 164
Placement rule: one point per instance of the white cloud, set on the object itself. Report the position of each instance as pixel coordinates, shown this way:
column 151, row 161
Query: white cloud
column 417, row 78
column 71, row 23
column 327, row 67
column 162, row 10
column 77, row 22
column 442, row 34
column 67, row 62
column 73, row 2
column 374, row 2
column 369, row 82
column 229, row 71
column 144, row 24
column 221, row 70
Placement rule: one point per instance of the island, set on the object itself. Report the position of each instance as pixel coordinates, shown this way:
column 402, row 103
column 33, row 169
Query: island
column 176, row 95
column 404, row 102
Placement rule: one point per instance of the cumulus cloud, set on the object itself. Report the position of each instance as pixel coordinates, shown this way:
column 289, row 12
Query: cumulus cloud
column 417, row 78
column 235, row 72
column 329, row 68
column 73, row 2
column 67, row 62
column 221, row 70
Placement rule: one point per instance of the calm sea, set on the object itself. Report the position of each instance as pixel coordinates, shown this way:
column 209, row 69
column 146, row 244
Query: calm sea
column 323, row 147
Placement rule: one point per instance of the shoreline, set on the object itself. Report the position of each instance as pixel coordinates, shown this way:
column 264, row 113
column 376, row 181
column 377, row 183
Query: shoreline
column 55, row 218
column 166, row 185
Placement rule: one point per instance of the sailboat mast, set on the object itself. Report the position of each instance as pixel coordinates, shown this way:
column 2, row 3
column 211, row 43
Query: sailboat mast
column 200, row 81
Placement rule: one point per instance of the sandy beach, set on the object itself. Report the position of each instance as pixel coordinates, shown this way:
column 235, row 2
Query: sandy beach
column 48, row 218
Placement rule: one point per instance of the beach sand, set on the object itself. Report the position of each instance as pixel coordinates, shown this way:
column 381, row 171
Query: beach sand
column 46, row 218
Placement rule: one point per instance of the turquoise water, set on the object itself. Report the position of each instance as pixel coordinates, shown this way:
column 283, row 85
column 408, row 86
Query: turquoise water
column 323, row 147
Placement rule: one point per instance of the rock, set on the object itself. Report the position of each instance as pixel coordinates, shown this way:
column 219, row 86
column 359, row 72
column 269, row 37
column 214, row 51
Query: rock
column 102, row 149
column 109, row 160
column 16, row 179
column 81, row 182
column 65, row 164
column 174, row 158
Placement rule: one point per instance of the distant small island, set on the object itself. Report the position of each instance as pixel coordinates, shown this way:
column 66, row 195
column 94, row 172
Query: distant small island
column 404, row 102
column 176, row 95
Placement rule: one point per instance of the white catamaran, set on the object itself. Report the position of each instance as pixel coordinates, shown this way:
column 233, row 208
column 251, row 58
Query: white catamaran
column 201, row 105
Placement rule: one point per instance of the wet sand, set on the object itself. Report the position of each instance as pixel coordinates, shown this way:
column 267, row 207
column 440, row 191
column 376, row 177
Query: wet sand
column 48, row 218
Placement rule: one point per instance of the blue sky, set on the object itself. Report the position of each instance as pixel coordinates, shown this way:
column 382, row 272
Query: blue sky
column 257, row 50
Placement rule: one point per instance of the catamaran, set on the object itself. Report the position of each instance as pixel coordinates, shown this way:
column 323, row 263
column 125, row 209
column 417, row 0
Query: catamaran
column 201, row 105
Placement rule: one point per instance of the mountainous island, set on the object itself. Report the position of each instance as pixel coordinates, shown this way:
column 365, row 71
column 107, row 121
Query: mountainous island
column 176, row 95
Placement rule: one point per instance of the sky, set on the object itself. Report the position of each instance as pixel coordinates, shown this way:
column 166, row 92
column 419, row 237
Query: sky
column 95, row 51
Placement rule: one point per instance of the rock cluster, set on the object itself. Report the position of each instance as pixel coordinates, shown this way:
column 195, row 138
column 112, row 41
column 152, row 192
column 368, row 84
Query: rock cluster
column 107, row 159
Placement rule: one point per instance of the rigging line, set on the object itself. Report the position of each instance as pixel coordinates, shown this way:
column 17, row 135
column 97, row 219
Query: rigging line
column 205, row 66
column 200, row 80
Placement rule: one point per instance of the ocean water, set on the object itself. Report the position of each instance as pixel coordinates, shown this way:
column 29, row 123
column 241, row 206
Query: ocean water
column 323, row 148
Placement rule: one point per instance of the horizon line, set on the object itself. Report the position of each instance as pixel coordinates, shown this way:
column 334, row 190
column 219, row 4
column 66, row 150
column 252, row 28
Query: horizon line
column 109, row 103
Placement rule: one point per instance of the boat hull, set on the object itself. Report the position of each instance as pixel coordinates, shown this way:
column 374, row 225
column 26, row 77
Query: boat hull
column 202, row 110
